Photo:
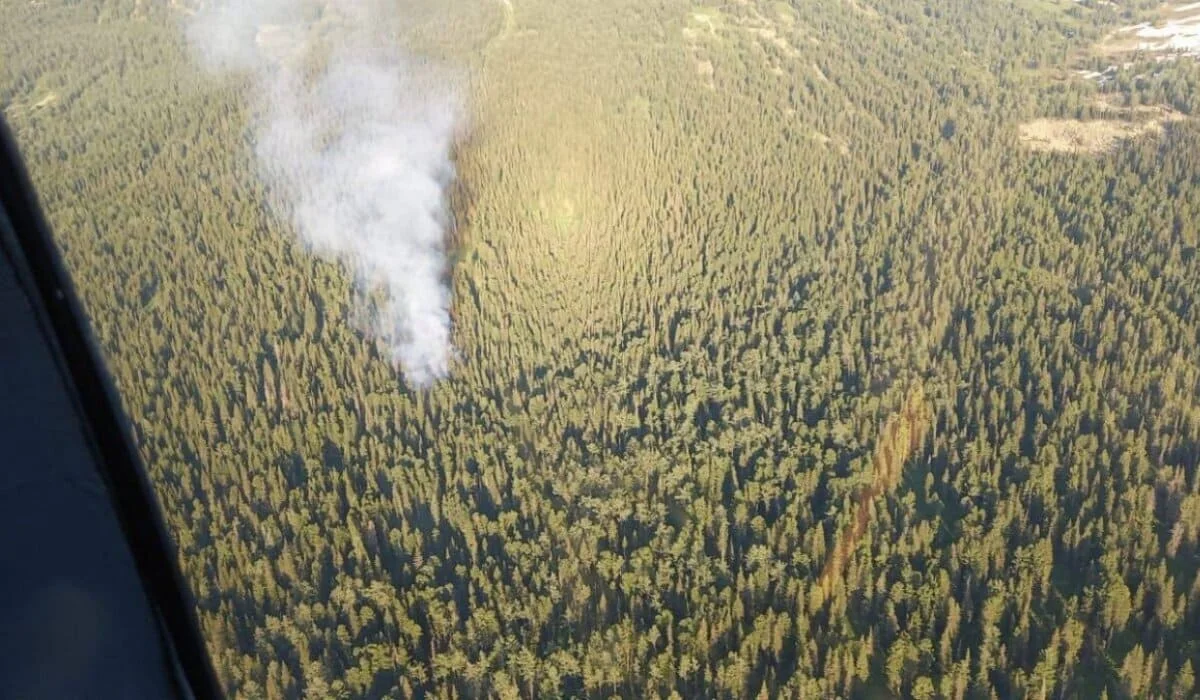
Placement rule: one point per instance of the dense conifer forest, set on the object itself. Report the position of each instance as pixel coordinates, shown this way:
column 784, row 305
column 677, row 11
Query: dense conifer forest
column 786, row 367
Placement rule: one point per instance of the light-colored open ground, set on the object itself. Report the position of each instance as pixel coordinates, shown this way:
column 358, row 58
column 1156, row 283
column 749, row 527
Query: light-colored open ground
column 1174, row 32
column 45, row 101
column 1094, row 135
column 18, row 107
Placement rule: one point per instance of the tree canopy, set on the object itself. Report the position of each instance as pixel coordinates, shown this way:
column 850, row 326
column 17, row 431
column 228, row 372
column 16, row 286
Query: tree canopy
column 786, row 369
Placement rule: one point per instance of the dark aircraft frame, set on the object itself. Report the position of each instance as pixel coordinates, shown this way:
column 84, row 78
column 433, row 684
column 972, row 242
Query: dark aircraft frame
column 92, row 600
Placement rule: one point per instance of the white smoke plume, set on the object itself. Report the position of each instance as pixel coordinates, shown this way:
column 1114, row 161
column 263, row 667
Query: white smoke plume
column 354, row 137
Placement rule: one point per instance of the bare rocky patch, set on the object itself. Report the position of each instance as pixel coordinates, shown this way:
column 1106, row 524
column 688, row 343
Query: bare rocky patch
column 1094, row 136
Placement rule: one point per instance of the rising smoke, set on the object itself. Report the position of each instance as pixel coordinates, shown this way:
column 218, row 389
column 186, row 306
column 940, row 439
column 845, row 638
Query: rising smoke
column 354, row 139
